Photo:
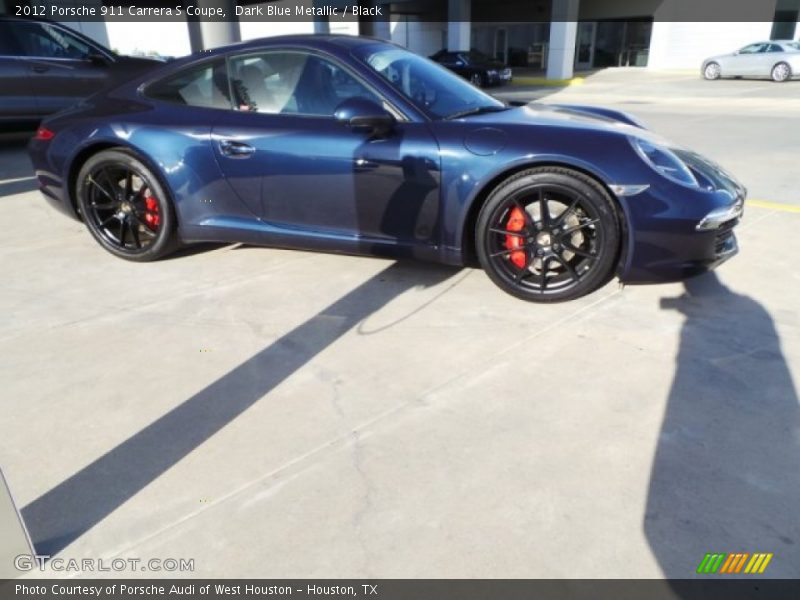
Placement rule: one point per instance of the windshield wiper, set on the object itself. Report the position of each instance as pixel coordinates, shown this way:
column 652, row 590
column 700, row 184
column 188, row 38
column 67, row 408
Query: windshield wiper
column 478, row 110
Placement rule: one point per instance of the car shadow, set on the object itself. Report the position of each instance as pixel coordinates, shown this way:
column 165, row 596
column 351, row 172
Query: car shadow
column 725, row 473
column 77, row 504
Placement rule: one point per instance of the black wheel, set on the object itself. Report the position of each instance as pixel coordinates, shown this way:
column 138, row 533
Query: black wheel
column 476, row 79
column 712, row 71
column 548, row 234
column 781, row 72
column 125, row 207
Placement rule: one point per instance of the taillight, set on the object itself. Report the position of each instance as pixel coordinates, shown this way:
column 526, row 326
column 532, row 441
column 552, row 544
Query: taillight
column 44, row 134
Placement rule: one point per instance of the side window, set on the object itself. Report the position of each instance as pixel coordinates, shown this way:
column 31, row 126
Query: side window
column 291, row 82
column 774, row 48
column 47, row 41
column 751, row 49
column 205, row 86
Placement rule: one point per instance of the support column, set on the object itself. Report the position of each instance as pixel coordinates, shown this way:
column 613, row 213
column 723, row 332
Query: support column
column 322, row 25
column 382, row 28
column 378, row 28
column 459, row 24
column 563, row 33
column 195, row 35
column 219, row 33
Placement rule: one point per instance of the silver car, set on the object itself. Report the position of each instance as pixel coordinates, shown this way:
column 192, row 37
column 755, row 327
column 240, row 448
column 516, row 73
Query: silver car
column 777, row 59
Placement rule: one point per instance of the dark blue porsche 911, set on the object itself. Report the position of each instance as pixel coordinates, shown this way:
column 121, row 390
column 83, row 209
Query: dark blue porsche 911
column 356, row 145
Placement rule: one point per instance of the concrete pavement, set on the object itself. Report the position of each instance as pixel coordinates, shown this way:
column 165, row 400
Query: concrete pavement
column 270, row 413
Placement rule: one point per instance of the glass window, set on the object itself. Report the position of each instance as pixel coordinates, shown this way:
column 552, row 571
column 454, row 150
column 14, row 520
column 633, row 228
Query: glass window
column 428, row 85
column 774, row 48
column 47, row 41
column 205, row 86
column 478, row 57
column 792, row 45
column 752, row 49
column 294, row 83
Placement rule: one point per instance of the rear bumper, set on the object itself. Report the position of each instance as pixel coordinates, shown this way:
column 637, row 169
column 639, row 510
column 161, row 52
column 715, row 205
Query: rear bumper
column 501, row 77
column 51, row 185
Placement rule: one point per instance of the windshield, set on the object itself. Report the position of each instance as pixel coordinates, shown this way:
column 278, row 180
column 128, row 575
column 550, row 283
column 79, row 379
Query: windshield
column 477, row 57
column 427, row 85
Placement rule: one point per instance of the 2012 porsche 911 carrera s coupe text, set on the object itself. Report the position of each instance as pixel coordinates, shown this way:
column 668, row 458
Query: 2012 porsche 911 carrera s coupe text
column 355, row 145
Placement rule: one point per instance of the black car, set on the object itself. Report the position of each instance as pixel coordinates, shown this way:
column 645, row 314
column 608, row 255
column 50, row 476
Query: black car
column 45, row 67
column 480, row 70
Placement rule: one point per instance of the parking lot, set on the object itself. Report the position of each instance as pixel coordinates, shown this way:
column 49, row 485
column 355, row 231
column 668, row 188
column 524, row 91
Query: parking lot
column 275, row 413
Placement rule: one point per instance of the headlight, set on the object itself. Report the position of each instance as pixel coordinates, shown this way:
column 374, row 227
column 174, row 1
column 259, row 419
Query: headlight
column 665, row 162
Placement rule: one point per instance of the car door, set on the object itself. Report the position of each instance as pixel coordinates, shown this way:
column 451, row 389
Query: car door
column 62, row 67
column 306, row 174
column 17, row 101
column 771, row 55
column 746, row 62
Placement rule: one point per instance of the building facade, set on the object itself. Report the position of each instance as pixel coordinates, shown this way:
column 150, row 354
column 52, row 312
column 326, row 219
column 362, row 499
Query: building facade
column 555, row 36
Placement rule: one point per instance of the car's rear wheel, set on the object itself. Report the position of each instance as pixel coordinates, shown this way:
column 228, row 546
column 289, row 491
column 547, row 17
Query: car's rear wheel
column 712, row 71
column 781, row 72
column 548, row 234
column 125, row 207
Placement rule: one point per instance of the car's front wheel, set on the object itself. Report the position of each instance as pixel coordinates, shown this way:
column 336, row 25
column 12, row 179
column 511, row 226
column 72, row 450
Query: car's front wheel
column 712, row 71
column 125, row 207
column 548, row 234
column 781, row 72
column 476, row 79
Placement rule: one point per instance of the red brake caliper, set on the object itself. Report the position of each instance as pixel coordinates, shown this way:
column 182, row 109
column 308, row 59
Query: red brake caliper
column 151, row 215
column 516, row 222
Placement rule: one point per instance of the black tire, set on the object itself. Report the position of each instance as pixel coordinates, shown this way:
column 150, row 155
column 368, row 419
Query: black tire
column 477, row 79
column 568, row 250
column 125, row 207
column 781, row 72
column 712, row 71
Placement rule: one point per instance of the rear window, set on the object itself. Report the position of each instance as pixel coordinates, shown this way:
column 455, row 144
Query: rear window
column 205, row 86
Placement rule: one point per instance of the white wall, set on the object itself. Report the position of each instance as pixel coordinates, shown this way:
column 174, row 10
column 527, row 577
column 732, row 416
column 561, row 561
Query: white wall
column 684, row 45
column 166, row 39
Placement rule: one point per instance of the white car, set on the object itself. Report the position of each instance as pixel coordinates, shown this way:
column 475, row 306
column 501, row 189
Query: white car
column 777, row 59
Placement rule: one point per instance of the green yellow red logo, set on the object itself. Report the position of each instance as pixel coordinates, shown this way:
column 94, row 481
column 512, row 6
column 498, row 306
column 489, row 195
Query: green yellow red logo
column 735, row 562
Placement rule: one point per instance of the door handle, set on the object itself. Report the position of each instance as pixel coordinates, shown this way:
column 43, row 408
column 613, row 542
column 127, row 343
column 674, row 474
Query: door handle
column 234, row 149
column 40, row 69
column 364, row 164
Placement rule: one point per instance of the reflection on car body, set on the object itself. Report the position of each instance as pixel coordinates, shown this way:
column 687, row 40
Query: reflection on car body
column 776, row 59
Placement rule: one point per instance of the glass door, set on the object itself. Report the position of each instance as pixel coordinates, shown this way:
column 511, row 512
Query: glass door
column 584, row 45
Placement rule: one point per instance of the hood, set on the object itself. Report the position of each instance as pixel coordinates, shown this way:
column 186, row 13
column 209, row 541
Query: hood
column 562, row 116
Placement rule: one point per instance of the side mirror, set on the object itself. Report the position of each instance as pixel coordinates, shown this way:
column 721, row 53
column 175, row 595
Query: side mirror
column 97, row 58
column 360, row 114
